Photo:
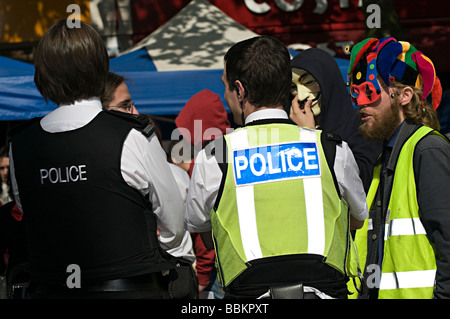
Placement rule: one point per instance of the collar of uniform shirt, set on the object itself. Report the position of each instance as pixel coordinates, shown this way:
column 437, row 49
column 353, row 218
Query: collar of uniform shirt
column 72, row 116
column 266, row 114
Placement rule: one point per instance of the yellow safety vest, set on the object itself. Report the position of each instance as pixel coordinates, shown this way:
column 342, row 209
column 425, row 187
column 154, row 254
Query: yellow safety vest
column 268, row 208
column 409, row 266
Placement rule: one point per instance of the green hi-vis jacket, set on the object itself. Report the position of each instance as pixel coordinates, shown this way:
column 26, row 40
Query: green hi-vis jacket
column 279, row 199
column 408, row 267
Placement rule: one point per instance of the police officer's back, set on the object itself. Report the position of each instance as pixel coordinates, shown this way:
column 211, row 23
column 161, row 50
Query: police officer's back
column 85, row 189
column 267, row 191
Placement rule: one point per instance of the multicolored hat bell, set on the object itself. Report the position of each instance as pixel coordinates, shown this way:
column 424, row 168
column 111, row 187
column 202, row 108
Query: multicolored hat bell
column 392, row 60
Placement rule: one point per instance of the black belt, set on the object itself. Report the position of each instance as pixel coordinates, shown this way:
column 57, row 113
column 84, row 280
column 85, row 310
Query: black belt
column 153, row 281
column 143, row 282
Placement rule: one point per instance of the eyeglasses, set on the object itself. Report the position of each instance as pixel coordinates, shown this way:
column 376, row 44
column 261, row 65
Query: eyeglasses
column 128, row 108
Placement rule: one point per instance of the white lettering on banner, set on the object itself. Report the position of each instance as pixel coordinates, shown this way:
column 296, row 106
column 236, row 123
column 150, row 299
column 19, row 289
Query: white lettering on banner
column 275, row 162
column 257, row 8
column 262, row 7
column 67, row 174
column 292, row 5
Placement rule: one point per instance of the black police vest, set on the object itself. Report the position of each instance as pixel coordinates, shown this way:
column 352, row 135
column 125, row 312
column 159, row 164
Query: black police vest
column 77, row 206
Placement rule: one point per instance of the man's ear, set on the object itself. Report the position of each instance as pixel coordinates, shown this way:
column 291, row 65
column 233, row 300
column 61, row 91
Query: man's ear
column 240, row 90
column 406, row 95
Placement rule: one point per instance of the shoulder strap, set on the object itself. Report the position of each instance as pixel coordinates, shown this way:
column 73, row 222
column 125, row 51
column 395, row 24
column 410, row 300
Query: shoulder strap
column 218, row 149
column 141, row 121
column 329, row 142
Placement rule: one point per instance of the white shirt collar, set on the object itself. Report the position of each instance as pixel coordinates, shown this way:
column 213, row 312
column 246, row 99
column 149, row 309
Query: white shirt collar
column 268, row 113
column 69, row 117
column 93, row 101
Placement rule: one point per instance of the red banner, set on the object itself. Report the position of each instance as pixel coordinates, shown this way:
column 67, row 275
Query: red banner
column 327, row 24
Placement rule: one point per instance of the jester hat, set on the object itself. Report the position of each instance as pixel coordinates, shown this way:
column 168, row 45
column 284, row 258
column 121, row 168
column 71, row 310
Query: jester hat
column 392, row 60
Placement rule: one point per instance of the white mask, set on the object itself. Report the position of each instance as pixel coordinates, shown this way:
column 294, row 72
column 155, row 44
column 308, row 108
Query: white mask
column 307, row 88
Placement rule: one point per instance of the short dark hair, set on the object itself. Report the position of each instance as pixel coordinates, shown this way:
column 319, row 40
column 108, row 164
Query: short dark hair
column 113, row 80
column 263, row 65
column 70, row 63
column 4, row 151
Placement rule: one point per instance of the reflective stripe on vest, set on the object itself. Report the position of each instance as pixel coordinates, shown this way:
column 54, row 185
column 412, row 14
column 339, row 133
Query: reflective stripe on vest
column 403, row 227
column 278, row 199
column 408, row 279
column 409, row 264
column 246, row 206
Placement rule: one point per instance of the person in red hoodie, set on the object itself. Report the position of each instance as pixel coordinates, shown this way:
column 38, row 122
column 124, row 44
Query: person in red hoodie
column 203, row 119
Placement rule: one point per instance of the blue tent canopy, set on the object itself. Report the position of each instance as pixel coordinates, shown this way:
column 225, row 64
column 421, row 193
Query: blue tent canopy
column 19, row 97
column 162, row 93
column 11, row 67
column 165, row 93
column 138, row 60
column 155, row 93
column 163, row 71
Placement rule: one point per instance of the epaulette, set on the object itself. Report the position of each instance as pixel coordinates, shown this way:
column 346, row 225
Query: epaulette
column 333, row 137
column 141, row 121
column 218, row 149
column 329, row 142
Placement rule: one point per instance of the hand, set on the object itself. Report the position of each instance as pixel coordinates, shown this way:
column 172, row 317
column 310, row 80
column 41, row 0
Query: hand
column 302, row 117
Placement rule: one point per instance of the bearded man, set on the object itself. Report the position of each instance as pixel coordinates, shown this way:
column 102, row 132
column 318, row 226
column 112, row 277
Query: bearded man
column 404, row 246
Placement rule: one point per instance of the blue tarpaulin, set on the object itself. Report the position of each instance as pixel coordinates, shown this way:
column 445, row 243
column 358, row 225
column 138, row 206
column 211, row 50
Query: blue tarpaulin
column 19, row 97
column 163, row 71
column 163, row 93
column 155, row 93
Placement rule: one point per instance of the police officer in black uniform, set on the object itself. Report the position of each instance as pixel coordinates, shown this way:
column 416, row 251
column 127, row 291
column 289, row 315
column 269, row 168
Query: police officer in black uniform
column 91, row 227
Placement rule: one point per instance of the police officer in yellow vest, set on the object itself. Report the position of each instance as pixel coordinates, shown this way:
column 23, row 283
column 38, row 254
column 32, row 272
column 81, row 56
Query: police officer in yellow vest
column 266, row 196
column 404, row 246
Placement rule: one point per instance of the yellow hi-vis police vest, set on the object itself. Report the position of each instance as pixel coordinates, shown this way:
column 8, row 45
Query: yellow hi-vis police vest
column 408, row 268
column 278, row 199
